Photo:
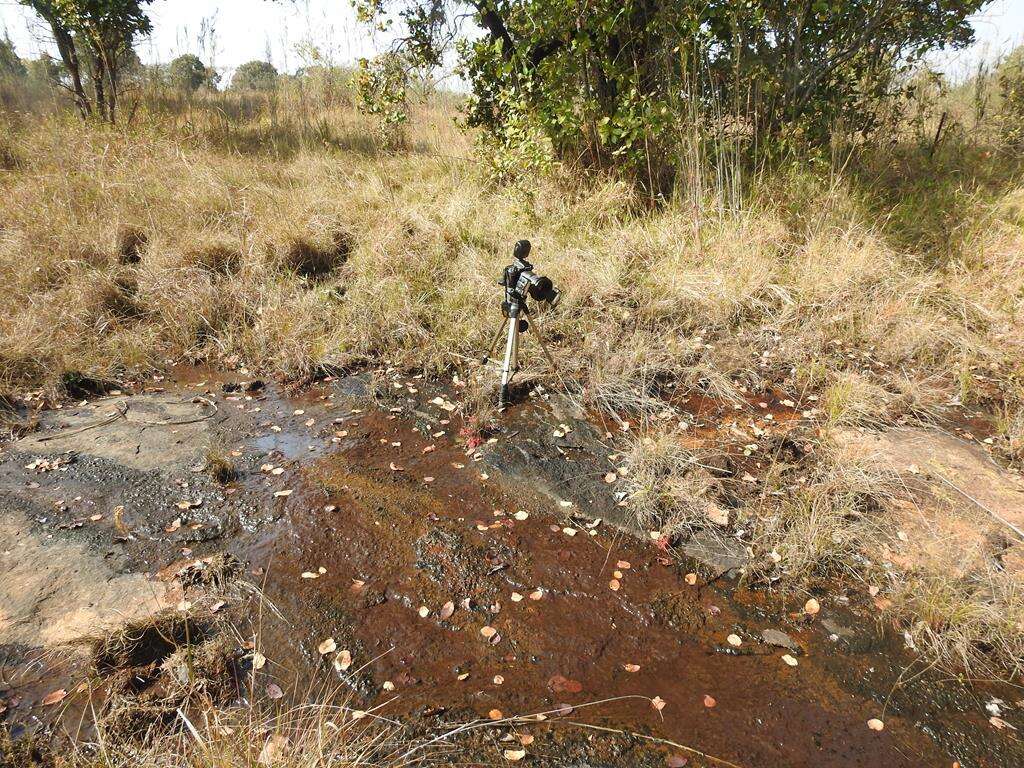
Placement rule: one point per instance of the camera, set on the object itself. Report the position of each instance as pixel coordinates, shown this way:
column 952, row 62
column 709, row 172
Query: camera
column 520, row 282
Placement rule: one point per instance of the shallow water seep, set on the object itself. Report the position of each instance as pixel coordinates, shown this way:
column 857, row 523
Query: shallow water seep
column 407, row 552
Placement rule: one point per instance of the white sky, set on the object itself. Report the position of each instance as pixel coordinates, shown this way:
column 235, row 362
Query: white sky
column 248, row 29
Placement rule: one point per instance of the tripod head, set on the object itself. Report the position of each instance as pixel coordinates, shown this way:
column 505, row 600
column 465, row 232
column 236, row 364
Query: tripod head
column 520, row 282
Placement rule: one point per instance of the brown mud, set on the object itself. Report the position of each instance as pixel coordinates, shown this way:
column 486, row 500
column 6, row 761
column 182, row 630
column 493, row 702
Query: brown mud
column 375, row 527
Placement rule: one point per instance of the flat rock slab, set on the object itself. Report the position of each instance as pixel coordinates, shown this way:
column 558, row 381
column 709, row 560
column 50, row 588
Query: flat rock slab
column 960, row 507
column 152, row 431
column 54, row 591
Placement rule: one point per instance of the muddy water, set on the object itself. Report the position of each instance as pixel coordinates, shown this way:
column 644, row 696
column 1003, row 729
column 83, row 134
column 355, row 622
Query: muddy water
column 395, row 520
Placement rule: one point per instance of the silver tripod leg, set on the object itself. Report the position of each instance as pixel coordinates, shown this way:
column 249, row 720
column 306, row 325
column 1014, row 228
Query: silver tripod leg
column 494, row 343
column 511, row 358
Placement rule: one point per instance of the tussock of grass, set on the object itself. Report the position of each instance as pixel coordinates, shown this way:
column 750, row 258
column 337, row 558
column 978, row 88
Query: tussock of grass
column 667, row 489
column 972, row 624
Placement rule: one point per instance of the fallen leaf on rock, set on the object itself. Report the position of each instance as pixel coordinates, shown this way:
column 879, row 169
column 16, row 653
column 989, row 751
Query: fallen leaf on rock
column 658, row 703
column 999, row 723
column 447, row 610
column 709, row 701
column 274, row 691
column 495, row 714
column 54, row 697
column 327, row 646
column 173, row 526
column 631, row 667
column 875, row 724
column 514, row 755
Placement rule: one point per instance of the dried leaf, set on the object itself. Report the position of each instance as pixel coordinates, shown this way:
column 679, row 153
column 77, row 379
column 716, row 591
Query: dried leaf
column 734, row 640
column 55, row 697
column 343, row 661
column 447, row 610
column 498, row 679
column 614, row 585
column 709, row 701
column 495, row 714
column 658, row 703
column 327, row 646
column 789, row 660
column 423, row 611
column 811, row 607
column 514, row 755
column 258, row 660
column 690, row 578
column 277, row 746
column 488, row 632
column 274, row 691
column 282, row 494
column 631, row 667
column 875, row 724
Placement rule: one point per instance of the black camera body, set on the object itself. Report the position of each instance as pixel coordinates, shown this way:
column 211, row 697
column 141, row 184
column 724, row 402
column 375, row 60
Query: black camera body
column 520, row 282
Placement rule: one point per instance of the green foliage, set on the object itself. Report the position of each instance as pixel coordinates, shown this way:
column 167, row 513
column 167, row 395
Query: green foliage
column 188, row 73
column 1011, row 91
column 255, row 76
column 44, row 72
column 11, row 67
column 94, row 39
column 611, row 87
column 382, row 87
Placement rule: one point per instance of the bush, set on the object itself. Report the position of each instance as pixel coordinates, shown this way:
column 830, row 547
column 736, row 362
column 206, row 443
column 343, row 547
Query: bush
column 255, row 76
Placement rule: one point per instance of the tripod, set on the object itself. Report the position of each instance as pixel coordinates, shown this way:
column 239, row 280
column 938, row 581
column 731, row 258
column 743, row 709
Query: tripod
column 517, row 323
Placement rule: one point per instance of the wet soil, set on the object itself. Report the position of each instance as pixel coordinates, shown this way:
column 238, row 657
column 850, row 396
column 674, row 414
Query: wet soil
column 458, row 587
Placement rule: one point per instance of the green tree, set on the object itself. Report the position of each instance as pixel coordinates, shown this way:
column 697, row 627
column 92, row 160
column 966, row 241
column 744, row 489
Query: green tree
column 11, row 67
column 94, row 39
column 611, row 85
column 187, row 73
column 255, row 76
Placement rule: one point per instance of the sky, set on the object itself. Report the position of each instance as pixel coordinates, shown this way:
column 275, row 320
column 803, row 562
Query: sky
column 250, row 29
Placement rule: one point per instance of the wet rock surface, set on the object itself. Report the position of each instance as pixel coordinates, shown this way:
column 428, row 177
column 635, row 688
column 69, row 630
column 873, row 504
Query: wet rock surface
column 458, row 584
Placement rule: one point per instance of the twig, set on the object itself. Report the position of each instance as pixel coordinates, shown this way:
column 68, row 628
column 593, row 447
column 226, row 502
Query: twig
column 656, row 740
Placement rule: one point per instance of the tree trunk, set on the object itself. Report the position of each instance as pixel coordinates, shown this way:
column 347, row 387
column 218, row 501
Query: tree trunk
column 69, row 56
